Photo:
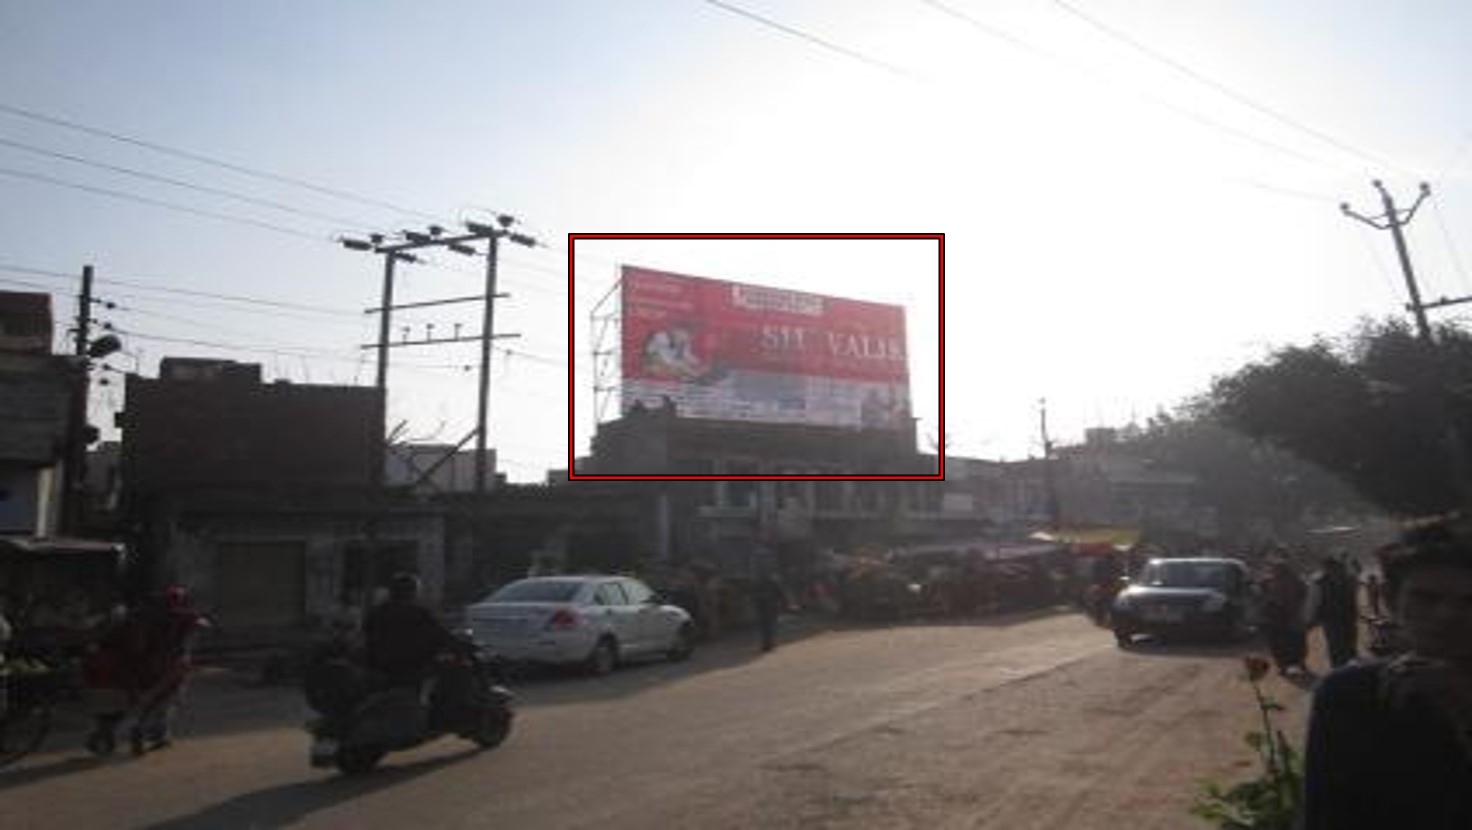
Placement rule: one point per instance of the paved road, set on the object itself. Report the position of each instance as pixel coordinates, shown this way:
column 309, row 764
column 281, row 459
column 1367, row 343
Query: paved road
column 1017, row 722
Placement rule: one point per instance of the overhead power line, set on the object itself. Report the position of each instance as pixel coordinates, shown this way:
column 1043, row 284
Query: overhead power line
column 159, row 203
column 852, row 54
column 1190, row 115
column 153, row 286
column 173, row 182
column 1201, row 78
column 1451, row 245
column 32, row 115
column 278, row 349
column 29, row 284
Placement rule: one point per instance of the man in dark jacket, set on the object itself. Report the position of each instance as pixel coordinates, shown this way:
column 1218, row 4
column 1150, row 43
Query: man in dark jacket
column 1390, row 743
column 1338, row 611
column 401, row 637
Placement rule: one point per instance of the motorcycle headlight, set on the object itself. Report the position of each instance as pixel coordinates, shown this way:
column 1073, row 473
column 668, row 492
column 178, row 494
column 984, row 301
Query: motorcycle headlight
column 1214, row 603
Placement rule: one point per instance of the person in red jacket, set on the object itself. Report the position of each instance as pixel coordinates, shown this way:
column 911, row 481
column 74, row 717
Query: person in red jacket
column 141, row 664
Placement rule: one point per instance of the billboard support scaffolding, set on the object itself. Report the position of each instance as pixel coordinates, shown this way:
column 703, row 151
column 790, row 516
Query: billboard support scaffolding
column 605, row 323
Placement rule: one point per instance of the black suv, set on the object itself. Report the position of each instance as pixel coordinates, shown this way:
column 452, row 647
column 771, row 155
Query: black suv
column 1200, row 596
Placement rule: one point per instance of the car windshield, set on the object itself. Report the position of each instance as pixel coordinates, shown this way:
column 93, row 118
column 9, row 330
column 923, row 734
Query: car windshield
column 536, row 590
column 1187, row 575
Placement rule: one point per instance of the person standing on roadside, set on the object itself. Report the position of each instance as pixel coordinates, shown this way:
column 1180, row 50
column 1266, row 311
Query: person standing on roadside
column 1338, row 611
column 769, row 598
column 1390, row 742
column 1283, row 599
column 1374, row 591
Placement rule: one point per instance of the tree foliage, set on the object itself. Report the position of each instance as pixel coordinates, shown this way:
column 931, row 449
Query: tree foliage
column 1374, row 408
column 1244, row 479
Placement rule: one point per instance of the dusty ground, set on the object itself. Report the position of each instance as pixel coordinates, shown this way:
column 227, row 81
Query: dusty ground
column 1019, row 722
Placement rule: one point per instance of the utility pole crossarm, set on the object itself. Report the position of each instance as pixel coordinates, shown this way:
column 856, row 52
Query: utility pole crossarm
column 1444, row 302
column 1345, row 209
column 1410, row 213
column 431, row 341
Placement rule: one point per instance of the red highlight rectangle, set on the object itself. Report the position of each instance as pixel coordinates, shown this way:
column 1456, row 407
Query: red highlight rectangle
column 871, row 321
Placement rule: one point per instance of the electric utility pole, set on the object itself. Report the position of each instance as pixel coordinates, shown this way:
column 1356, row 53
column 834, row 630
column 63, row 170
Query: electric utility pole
column 1393, row 220
column 435, row 237
column 73, row 468
column 1050, row 483
column 79, row 434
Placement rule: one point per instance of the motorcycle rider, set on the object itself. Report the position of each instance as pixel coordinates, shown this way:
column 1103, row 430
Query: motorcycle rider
column 401, row 640
column 401, row 637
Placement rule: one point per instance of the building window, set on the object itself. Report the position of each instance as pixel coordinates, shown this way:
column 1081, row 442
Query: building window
column 791, row 493
column 830, row 495
column 739, row 492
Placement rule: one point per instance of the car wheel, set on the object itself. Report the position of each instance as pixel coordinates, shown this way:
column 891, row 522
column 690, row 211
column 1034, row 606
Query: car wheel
column 604, row 658
column 683, row 646
column 1123, row 639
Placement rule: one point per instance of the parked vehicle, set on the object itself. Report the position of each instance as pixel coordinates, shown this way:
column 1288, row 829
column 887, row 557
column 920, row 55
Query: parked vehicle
column 593, row 621
column 1201, row 596
column 359, row 724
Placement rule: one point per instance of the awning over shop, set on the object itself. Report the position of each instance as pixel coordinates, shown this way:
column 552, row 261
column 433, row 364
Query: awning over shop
column 1091, row 539
column 57, row 546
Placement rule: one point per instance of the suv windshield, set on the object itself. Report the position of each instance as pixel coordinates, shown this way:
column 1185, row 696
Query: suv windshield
column 1166, row 574
column 535, row 590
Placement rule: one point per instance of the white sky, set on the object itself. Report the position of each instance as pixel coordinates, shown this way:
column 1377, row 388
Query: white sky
column 1117, row 232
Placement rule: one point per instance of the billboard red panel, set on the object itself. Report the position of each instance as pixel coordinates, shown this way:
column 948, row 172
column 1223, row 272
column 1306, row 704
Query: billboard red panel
column 736, row 351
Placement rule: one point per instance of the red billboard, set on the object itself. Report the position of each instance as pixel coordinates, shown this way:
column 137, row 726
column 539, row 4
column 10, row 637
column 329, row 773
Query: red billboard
column 735, row 351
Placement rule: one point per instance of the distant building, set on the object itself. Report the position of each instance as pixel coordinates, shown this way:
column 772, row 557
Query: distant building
column 36, row 393
column 261, row 496
column 1106, row 481
column 724, row 520
column 215, row 424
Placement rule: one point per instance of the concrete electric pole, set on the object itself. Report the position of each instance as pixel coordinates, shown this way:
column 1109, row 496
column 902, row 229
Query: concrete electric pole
column 1393, row 220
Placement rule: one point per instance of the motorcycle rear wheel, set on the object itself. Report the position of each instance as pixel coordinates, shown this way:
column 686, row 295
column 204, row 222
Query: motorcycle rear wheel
column 357, row 760
column 492, row 729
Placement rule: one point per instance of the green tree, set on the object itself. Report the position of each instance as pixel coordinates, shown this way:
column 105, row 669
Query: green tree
column 1241, row 477
column 1370, row 408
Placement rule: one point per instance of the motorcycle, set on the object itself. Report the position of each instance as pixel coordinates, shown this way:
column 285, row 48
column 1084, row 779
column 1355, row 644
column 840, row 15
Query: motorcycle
column 359, row 724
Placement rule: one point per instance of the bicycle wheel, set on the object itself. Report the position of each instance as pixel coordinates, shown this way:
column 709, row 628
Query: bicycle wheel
column 23, row 727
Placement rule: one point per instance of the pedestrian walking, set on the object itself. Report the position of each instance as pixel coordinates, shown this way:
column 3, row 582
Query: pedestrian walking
column 139, row 668
column 1337, row 611
column 1374, row 590
column 769, row 598
column 1284, row 598
column 1390, row 742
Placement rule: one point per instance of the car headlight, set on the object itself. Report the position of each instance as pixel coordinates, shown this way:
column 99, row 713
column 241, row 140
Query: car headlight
column 1123, row 602
column 1214, row 603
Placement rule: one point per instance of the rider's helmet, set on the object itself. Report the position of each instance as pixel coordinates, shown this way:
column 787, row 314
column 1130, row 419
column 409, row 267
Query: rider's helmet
column 403, row 587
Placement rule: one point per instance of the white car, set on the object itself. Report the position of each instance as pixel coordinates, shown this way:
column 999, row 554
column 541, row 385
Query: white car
column 593, row 621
